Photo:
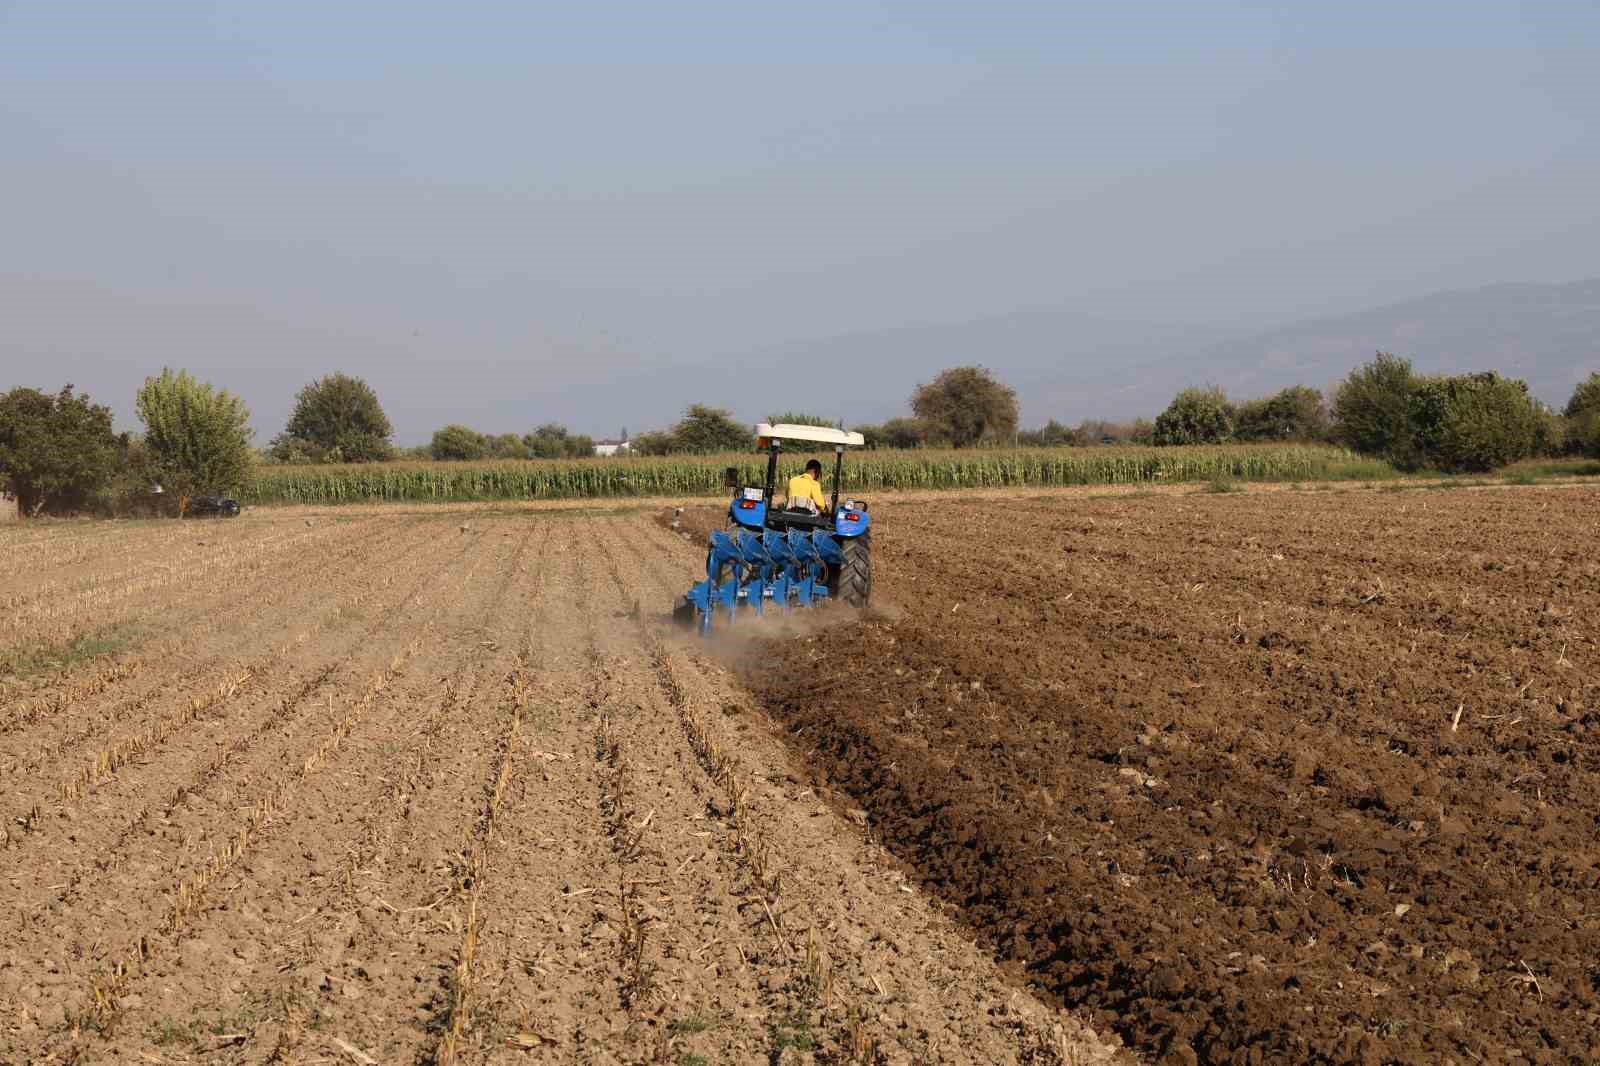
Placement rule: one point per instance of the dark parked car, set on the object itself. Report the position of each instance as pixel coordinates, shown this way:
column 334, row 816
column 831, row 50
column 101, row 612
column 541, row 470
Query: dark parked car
column 220, row 506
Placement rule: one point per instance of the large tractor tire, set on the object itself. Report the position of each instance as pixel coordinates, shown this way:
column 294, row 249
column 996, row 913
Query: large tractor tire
column 855, row 573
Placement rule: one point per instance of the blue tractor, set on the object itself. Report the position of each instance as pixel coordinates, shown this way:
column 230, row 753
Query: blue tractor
column 787, row 557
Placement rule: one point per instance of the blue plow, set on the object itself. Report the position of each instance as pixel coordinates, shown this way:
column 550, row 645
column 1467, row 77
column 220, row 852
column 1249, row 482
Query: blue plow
column 750, row 571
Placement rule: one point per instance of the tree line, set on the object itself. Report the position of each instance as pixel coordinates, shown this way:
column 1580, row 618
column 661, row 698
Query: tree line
column 338, row 419
column 1454, row 423
column 60, row 454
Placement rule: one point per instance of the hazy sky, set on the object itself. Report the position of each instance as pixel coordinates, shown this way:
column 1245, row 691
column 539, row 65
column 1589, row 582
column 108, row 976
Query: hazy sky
column 490, row 209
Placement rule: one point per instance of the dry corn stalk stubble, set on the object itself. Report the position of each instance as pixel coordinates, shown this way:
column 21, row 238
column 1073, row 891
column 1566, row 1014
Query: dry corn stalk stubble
column 110, row 980
column 228, row 864
column 810, row 969
column 107, row 985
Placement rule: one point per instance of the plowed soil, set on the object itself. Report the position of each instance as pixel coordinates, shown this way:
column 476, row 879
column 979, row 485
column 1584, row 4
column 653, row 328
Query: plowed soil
column 1279, row 778
column 435, row 788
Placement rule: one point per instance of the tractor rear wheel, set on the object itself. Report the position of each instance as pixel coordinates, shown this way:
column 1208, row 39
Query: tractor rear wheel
column 855, row 573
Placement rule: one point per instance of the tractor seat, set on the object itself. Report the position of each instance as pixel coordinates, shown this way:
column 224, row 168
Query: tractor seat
column 801, row 517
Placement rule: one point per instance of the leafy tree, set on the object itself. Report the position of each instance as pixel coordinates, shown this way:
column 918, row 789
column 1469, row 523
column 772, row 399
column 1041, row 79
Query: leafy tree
column 658, row 442
column 458, row 442
column 337, row 419
column 1581, row 434
column 553, row 441
column 293, row 451
column 56, row 452
column 702, row 430
column 706, row 429
column 798, row 418
column 1550, row 436
column 1195, row 416
column 197, row 437
column 904, row 433
column 965, row 405
column 1053, row 435
column 895, row 433
column 1296, row 413
column 1474, row 422
column 1099, row 431
column 506, row 446
column 1585, row 398
column 1372, row 410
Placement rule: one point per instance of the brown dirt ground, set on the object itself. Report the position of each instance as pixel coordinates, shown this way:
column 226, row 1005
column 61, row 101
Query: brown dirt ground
column 438, row 788
column 1287, row 777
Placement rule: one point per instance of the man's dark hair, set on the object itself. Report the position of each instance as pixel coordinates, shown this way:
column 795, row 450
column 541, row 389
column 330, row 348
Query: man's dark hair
column 814, row 467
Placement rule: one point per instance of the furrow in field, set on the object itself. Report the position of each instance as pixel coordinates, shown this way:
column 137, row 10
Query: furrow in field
column 228, row 613
column 745, row 981
column 189, row 852
column 580, row 943
column 465, row 987
column 179, row 549
column 50, row 611
column 31, row 550
column 547, row 964
column 1343, row 768
column 54, row 556
column 888, row 973
column 120, row 618
column 47, row 789
column 284, row 954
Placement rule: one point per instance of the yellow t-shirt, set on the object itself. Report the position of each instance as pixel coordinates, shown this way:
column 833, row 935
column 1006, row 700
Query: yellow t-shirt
column 806, row 487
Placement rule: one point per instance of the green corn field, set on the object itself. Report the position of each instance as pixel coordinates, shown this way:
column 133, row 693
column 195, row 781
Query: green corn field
column 865, row 472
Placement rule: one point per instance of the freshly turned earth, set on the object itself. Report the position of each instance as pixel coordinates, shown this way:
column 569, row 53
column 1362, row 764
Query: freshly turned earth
column 1305, row 777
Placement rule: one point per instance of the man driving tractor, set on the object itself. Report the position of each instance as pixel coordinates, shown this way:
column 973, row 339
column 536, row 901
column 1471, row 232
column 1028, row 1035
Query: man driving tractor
column 785, row 553
column 805, row 490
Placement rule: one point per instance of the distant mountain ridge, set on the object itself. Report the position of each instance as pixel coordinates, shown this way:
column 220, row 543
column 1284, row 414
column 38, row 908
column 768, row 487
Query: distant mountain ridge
column 1548, row 335
column 1070, row 366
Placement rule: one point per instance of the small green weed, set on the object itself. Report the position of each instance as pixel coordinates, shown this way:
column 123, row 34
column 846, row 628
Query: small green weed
column 690, row 1023
column 26, row 662
column 170, row 1031
column 793, row 1032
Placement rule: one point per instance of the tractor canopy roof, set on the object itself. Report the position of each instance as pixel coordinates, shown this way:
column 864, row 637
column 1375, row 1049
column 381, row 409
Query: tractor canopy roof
column 814, row 434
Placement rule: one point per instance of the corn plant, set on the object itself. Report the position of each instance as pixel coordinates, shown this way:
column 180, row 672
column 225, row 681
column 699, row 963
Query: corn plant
column 865, row 471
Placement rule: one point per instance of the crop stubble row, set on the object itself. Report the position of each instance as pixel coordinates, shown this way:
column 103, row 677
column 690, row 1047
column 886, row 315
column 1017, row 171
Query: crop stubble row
column 282, row 615
column 78, row 902
column 304, row 871
column 55, row 740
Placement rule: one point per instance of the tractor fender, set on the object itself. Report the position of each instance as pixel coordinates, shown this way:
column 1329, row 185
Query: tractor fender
column 851, row 523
